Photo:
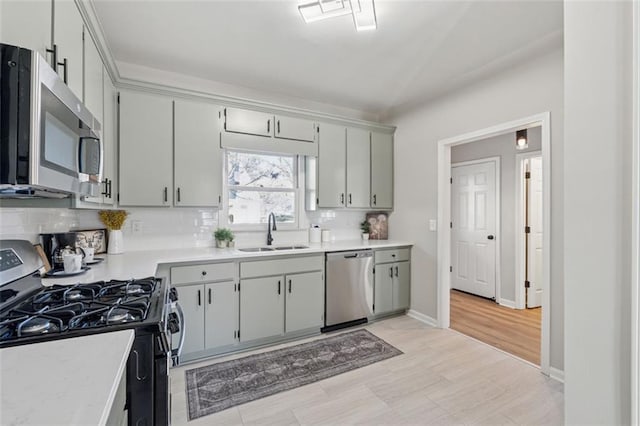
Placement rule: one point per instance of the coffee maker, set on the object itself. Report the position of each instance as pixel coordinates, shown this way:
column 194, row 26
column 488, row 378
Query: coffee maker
column 54, row 244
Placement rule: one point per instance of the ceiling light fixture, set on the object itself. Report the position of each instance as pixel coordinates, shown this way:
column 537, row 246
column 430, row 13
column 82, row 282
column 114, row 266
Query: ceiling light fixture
column 363, row 12
column 522, row 142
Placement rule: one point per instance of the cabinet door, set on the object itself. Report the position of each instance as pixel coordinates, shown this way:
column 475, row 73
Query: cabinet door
column 261, row 308
column 332, row 165
column 27, row 24
column 401, row 285
column 383, row 292
column 359, row 167
column 221, row 314
column 305, row 301
column 93, row 85
column 246, row 121
column 109, row 138
column 294, row 128
column 146, row 150
column 198, row 157
column 67, row 35
column 381, row 170
column 191, row 299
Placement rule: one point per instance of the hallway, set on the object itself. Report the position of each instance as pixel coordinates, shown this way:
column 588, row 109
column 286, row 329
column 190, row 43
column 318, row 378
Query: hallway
column 516, row 331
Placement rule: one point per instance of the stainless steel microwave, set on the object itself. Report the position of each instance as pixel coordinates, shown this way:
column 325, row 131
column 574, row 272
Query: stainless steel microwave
column 49, row 142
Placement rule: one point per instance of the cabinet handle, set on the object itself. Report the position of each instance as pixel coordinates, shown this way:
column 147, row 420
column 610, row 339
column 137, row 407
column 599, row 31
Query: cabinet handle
column 396, row 271
column 279, row 283
column 350, row 199
column 54, row 53
column 199, row 299
column 391, row 272
column 105, row 182
column 342, row 198
column 269, row 126
column 109, row 186
column 289, row 286
column 278, row 124
column 374, row 199
column 178, row 194
column 209, row 296
column 166, row 194
column 64, row 74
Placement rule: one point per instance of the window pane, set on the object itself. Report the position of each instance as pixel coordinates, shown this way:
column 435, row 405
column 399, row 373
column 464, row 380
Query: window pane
column 251, row 207
column 260, row 171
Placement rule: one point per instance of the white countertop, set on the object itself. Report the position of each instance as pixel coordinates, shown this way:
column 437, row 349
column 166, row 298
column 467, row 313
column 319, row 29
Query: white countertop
column 67, row 381
column 141, row 264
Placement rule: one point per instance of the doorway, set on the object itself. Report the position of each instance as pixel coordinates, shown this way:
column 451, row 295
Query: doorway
column 445, row 217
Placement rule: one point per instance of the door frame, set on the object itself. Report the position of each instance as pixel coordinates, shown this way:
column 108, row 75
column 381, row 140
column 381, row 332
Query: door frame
column 498, row 197
column 520, row 301
column 635, row 225
column 444, row 217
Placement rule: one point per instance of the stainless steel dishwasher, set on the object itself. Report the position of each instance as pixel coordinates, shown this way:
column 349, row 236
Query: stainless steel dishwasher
column 349, row 288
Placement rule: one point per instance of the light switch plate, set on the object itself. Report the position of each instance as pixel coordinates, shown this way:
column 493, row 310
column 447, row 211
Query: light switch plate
column 433, row 226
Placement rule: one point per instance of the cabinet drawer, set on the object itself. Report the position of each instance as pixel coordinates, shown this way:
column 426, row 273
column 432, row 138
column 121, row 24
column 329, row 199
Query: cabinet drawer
column 202, row 273
column 263, row 268
column 391, row 255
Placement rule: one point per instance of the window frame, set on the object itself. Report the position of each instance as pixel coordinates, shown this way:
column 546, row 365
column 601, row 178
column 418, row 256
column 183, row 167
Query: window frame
column 298, row 201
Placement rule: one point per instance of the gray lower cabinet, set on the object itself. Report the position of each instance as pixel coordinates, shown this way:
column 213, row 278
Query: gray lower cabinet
column 261, row 308
column 392, row 280
column 190, row 299
column 304, row 301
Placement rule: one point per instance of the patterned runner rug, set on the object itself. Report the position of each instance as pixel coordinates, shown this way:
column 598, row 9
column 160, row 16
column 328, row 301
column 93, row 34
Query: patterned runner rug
column 220, row 386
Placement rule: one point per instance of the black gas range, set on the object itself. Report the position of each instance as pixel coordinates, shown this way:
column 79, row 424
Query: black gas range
column 32, row 313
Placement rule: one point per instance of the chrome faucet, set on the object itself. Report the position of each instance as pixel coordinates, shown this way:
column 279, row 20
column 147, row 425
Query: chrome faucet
column 270, row 228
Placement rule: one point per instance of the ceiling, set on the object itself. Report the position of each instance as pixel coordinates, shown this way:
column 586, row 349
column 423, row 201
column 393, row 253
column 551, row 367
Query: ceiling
column 420, row 50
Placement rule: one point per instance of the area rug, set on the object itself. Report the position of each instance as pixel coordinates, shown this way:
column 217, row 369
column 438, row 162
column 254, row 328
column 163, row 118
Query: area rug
column 220, row 386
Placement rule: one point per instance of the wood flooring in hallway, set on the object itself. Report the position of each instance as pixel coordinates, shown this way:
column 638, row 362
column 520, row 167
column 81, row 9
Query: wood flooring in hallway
column 516, row 331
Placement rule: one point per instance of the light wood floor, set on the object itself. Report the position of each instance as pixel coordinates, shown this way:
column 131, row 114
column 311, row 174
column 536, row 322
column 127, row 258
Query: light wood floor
column 442, row 378
column 516, row 331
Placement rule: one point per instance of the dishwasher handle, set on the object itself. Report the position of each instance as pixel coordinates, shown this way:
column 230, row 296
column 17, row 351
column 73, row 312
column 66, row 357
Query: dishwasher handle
column 349, row 254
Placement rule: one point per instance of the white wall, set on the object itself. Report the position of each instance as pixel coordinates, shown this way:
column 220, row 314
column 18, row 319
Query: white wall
column 531, row 88
column 598, row 88
column 503, row 146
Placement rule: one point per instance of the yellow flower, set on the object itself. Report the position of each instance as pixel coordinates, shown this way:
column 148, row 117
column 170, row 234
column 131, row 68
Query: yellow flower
column 113, row 219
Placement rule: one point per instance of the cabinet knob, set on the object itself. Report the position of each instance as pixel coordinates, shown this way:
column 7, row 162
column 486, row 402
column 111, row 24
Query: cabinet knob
column 204, row 273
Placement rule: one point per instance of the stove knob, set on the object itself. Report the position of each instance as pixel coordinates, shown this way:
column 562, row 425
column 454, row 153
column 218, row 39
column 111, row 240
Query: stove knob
column 173, row 294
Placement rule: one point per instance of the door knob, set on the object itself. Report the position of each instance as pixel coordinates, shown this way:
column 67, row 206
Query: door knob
column 490, row 237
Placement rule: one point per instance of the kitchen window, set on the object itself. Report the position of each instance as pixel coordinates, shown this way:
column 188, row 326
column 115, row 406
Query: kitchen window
column 258, row 184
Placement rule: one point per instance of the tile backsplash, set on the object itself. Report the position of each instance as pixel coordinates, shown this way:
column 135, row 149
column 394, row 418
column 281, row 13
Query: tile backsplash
column 153, row 228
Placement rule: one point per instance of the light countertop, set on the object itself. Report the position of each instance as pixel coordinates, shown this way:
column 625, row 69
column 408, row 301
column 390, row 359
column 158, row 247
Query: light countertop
column 66, row 381
column 141, row 264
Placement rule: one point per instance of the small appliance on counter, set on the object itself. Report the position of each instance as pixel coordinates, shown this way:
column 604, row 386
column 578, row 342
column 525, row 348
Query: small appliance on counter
column 54, row 246
column 33, row 313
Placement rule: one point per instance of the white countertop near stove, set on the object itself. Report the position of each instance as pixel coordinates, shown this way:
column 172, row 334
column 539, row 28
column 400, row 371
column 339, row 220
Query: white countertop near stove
column 67, row 381
column 141, row 264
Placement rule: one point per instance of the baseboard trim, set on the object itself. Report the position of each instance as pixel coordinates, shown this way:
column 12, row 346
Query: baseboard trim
column 507, row 303
column 422, row 318
column 556, row 374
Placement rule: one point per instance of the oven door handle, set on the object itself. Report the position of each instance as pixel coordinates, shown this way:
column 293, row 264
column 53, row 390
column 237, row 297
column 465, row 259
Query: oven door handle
column 175, row 354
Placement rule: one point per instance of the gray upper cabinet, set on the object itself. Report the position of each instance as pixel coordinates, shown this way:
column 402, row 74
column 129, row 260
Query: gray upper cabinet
column 381, row 170
column 27, row 24
column 197, row 155
column 109, row 138
column 93, row 85
column 332, row 165
column 294, row 128
column 238, row 120
column 358, row 168
column 67, row 36
column 146, row 150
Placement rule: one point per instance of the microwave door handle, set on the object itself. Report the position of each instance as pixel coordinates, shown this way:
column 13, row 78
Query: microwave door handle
column 83, row 139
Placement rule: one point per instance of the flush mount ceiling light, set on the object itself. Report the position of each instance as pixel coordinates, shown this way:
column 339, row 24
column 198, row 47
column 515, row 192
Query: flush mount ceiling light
column 522, row 142
column 363, row 12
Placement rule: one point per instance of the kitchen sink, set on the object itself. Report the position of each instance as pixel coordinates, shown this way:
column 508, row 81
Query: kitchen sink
column 290, row 247
column 259, row 249
column 256, row 249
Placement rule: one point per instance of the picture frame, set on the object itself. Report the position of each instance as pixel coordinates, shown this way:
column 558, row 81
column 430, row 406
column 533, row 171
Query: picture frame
column 96, row 237
column 379, row 226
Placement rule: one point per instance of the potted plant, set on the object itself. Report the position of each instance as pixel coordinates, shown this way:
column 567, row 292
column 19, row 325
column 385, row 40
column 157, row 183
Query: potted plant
column 223, row 236
column 365, row 227
column 114, row 220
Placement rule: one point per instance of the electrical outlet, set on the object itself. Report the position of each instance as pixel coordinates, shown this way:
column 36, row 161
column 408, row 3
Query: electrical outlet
column 136, row 226
column 433, row 226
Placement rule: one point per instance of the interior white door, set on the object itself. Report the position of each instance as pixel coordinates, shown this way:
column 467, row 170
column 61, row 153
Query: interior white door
column 534, row 251
column 473, row 228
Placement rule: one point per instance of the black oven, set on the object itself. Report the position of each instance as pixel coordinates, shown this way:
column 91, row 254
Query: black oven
column 32, row 313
